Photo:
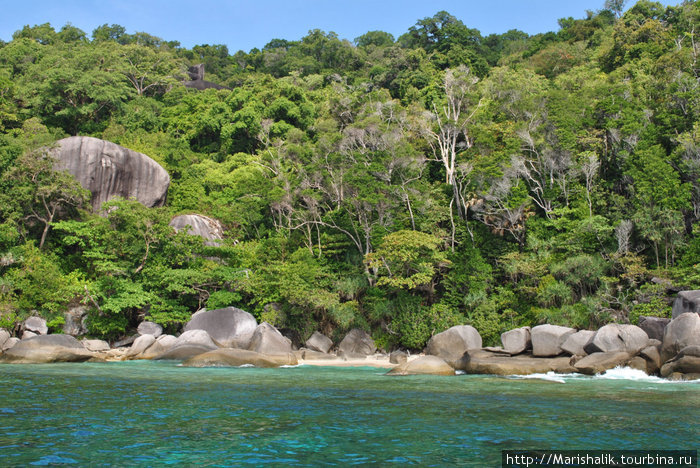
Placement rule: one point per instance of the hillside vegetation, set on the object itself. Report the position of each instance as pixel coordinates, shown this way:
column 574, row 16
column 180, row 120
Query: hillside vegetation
column 400, row 185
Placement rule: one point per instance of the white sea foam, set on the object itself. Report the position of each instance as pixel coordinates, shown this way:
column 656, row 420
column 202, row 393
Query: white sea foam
column 618, row 373
column 549, row 376
column 627, row 373
column 289, row 366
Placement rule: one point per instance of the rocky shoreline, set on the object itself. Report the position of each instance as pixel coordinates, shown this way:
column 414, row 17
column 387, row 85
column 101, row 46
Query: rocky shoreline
column 232, row 337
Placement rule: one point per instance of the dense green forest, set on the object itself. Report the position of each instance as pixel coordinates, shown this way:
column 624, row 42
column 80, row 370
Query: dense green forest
column 400, row 185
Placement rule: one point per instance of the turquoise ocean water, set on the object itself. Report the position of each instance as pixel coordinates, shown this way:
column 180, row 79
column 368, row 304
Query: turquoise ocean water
column 142, row 413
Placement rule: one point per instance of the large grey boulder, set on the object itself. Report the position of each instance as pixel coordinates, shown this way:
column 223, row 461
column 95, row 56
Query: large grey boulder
column 686, row 301
column 230, row 327
column 141, row 344
column 478, row 361
column 42, row 349
column 615, row 337
column 108, row 170
column 423, row 365
column 548, row 339
column 4, row 336
column 357, row 342
column 198, row 225
column 681, row 332
column 319, row 342
column 268, row 340
column 516, row 341
column 150, row 328
column 228, row 357
column 576, row 342
column 36, row 325
column 454, row 342
column 654, row 326
column 75, row 321
column 597, row 363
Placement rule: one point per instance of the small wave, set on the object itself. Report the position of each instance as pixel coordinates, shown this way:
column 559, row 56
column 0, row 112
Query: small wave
column 549, row 376
column 289, row 366
column 627, row 373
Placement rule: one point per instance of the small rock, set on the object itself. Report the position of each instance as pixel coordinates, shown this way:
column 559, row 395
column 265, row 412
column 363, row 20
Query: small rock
column 150, row 328
column 638, row 363
column 357, row 342
column 689, row 351
column 319, row 342
column 209, row 229
column 268, row 340
column 28, row 334
column 9, row 343
column 423, row 365
column 654, row 326
column 125, row 342
column 398, row 357
column 687, row 301
column 685, row 365
column 497, row 350
column 681, row 332
column 141, row 344
column 75, row 321
column 167, row 340
column 36, row 325
column 96, row 345
column 196, row 337
column 4, row 336
column 653, row 359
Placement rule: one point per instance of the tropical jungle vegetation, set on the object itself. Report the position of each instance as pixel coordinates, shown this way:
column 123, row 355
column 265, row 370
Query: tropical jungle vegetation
column 400, row 185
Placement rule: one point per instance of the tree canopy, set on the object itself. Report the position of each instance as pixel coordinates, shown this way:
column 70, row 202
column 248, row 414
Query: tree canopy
column 400, row 185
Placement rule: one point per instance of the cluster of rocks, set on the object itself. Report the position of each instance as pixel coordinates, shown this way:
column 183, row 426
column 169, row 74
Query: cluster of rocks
column 670, row 348
column 220, row 337
column 232, row 337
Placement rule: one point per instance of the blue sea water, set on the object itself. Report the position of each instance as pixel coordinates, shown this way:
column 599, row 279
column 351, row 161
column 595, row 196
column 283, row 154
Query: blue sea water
column 143, row 413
